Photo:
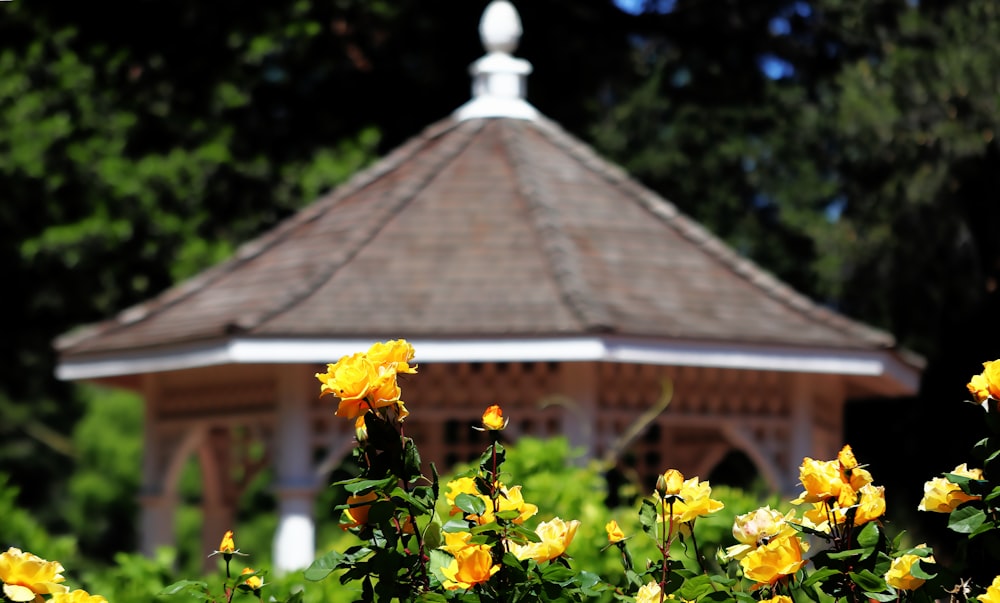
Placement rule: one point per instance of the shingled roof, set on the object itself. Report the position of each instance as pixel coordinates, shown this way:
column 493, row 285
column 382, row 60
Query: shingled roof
column 488, row 225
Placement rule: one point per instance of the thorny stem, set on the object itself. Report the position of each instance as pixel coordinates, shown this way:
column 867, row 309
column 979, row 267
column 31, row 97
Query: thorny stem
column 668, row 533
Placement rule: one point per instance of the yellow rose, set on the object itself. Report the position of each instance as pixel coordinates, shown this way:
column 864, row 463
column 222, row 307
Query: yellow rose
column 227, row 546
column 357, row 515
column 493, row 418
column 555, row 535
column 648, row 593
column 670, row 483
column 986, row 384
column 778, row 599
column 757, row 528
column 822, row 480
column 615, row 533
column 384, row 390
column 778, row 558
column 26, row 576
column 871, row 505
column 77, row 596
column 899, row 576
column 254, row 582
column 350, row 380
column 472, row 565
column 456, row 541
column 693, row 500
column 944, row 496
column 992, row 594
column 396, row 354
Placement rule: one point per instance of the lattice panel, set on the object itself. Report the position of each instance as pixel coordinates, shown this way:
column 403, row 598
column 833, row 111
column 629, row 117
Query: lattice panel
column 689, row 434
column 448, row 399
column 204, row 401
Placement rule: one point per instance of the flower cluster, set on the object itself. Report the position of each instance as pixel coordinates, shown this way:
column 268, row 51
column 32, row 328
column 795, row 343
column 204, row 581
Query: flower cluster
column 489, row 543
column 986, row 385
column 27, row 577
column 367, row 381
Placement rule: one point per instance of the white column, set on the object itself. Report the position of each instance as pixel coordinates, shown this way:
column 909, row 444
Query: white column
column 295, row 539
column 802, row 442
column 578, row 383
column 158, row 502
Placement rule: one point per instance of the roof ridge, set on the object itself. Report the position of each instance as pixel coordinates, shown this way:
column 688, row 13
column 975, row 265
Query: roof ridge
column 254, row 247
column 704, row 239
column 557, row 247
column 405, row 193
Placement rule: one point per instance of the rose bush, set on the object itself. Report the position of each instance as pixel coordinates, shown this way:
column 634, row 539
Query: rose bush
column 478, row 538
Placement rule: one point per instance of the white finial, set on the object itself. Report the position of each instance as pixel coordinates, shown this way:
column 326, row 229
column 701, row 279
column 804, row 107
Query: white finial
column 499, row 80
column 500, row 27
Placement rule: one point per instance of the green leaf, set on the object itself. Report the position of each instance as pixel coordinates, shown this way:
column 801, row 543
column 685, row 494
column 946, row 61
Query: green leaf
column 917, row 570
column 322, row 567
column 647, row 517
column 869, row 535
column 966, row 520
column 883, row 597
column 847, row 553
column 819, row 575
column 558, row 574
column 868, row 581
column 695, row 588
column 363, row 486
column 473, row 505
column 185, row 586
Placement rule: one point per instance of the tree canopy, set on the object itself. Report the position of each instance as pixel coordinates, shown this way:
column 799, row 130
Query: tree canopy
column 848, row 147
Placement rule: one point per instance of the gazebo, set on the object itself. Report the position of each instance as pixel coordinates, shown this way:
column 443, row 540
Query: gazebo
column 527, row 271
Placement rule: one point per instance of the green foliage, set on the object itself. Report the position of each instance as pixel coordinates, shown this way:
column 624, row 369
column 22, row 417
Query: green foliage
column 104, row 488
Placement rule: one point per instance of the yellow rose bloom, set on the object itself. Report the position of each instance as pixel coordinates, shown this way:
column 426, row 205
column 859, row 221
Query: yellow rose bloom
column 356, row 516
column 512, row 500
column 227, row 546
column 670, row 483
column 615, row 533
column 648, row 593
column 456, row 541
column 384, row 390
column 254, row 582
column 986, row 384
column 556, row 535
column 822, row 480
column 871, row 505
column 899, row 576
column 396, row 354
column 778, row 558
column 77, row 596
column 471, row 565
column 756, row 528
column 992, row 594
column 693, row 500
column 778, row 599
column 944, row 496
column 493, row 418
column 26, row 576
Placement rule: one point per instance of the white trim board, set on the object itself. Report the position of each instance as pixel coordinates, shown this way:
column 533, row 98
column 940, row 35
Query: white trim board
column 863, row 363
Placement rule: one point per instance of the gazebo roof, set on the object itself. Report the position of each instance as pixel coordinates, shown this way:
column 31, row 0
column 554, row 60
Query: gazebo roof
column 493, row 230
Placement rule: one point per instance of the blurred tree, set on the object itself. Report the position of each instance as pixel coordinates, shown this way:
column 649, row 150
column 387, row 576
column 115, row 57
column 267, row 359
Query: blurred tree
column 138, row 150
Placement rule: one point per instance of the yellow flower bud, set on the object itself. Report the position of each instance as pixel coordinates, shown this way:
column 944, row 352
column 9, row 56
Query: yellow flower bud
column 615, row 533
column 493, row 419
